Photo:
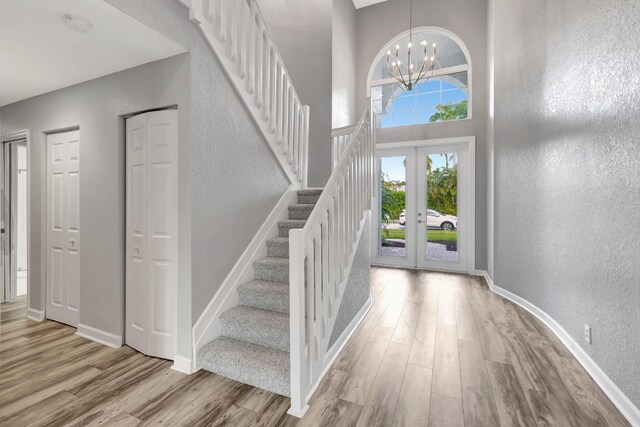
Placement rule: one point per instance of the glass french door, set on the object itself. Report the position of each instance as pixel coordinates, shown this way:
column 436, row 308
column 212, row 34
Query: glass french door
column 423, row 203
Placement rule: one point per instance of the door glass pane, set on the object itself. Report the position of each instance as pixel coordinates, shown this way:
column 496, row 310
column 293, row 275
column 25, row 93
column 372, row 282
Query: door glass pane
column 393, row 199
column 441, row 207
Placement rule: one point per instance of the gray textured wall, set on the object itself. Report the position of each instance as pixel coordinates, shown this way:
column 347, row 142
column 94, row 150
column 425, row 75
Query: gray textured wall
column 235, row 178
column 302, row 33
column 95, row 107
column 344, row 48
column 358, row 288
column 567, row 170
column 378, row 24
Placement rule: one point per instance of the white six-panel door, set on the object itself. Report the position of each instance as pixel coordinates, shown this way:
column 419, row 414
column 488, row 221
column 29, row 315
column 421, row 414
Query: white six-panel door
column 152, row 229
column 63, row 227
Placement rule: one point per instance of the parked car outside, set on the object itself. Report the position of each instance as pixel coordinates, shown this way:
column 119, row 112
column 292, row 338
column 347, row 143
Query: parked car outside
column 435, row 219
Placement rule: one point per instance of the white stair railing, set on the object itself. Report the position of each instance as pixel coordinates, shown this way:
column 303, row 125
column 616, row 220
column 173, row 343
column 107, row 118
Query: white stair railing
column 320, row 259
column 339, row 140
column 238, row 35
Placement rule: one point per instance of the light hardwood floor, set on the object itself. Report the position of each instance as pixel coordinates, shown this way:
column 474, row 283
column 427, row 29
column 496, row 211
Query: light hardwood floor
column 436, row 349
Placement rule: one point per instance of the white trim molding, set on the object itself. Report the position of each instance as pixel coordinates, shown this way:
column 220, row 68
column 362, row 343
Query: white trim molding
column 183, row 364
column 207, row 328
column 35, row 315
column 617, row 397
column 99, row 336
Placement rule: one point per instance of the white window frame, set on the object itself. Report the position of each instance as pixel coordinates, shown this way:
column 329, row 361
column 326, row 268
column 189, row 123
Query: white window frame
column 437, row 73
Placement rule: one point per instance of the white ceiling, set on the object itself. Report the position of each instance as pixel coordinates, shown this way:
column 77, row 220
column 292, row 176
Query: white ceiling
column 359, row 4
column 40, row 53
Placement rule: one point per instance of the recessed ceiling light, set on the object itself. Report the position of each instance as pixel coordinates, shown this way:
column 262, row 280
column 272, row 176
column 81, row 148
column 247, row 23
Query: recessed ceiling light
column 78, row 24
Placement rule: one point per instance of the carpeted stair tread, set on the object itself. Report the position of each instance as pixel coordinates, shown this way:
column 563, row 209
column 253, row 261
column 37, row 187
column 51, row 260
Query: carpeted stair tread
column 278, row 247
column 256, row 326
column 309, row 196
column 289, row 224
column 252, row 364
column 272, row 269
column 301, row 211
column 265, row 295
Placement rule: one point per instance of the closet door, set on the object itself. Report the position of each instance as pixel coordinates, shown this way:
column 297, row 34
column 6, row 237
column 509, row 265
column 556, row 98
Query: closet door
column 152, row 228
column 63, row 227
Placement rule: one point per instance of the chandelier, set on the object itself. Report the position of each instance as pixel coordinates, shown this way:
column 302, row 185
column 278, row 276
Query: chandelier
column 407, row 74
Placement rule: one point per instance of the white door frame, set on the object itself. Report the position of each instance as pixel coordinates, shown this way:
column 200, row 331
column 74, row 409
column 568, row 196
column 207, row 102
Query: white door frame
column 398, row 147
column 20, row 135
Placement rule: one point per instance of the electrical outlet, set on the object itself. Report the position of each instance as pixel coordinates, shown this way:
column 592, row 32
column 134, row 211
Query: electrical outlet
column 587, row 334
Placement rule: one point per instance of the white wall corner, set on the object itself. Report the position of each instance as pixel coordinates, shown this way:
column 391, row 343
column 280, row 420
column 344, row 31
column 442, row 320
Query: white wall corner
column 183, row 364
column 35, row 315
column 99, row 336
column 207, row 328
column 617, row 397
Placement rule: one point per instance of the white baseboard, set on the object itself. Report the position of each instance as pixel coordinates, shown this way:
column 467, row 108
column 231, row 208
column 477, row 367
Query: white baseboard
column 183, row 364
column 35, row 315
column 206, row 328
column 619, row 399
column 102, row 337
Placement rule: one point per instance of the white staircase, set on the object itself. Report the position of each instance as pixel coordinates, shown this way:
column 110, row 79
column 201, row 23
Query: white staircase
column 272, row 329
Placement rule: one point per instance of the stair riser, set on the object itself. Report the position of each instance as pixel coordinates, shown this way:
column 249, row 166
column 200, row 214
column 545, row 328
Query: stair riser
column 245, row 330
column 264, row 368
column 265, row 301
column 280, row 250
column 275, row 273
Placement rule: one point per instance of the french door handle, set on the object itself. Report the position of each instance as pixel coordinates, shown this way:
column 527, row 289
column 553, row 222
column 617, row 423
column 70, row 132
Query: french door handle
column 420, row 221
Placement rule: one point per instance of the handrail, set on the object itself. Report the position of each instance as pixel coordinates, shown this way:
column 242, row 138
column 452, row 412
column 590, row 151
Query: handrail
column 320, row 256
column 339, row 141
column 238, row 35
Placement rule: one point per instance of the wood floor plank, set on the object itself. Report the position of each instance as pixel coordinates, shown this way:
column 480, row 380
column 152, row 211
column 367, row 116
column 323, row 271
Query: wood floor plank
column 338, row 413
column 235, row 416
column 445, row 412
column 511, row 402
column 37, row 410
column 477, row 396
column 549, row 411
column 465, row 319
column 493, row 347
column 446, row 364
column 87, row 403
column 380, row 406
column 215, row 405
column 406, row 326
column 255, row 400
column 274, row 413
column 415, row 398
column 56, row 378
column 355, row 388
column 193, row 397
column 321, row 407
column 423, row 345
column 446, row 304
column 121, row 419
column 49, row 388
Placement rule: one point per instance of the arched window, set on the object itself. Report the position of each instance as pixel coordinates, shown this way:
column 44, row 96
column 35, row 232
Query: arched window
column 443, row 97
